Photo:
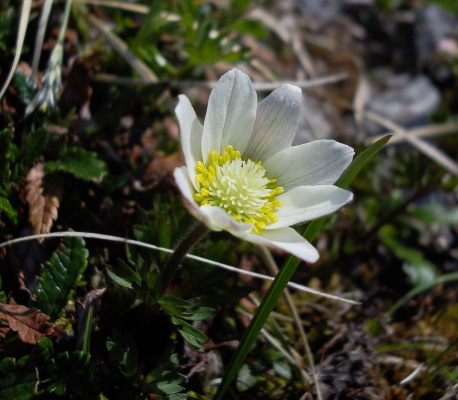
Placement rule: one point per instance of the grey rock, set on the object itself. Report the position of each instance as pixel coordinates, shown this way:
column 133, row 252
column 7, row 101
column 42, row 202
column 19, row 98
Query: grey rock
column 406, row 100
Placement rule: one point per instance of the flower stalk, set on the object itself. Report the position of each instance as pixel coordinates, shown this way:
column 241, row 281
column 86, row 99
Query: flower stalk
column 181, row 251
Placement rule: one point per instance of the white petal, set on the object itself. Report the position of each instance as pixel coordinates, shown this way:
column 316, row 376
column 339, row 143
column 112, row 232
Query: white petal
column 215, row 218
column 320, row 162
column 286, row 239
column 230, row 115
column 305, row 203
column 277, row 118
column 218, row 220
column 191, row 135
column 183, row 182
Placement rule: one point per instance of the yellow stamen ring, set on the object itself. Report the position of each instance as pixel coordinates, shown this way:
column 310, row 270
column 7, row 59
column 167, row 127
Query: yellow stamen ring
column 240, row 187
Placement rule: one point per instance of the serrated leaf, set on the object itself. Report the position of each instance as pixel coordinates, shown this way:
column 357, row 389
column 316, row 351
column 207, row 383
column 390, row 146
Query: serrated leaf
column 173, row 304
column 123, row 275
column 6, row 207
column 192, row 335
column 60, row 277
column 35, row 144
column 167, row 383
column 168, row 387
column 18, row 379
column 81, row 163
column 134, row 257
column 187, row 309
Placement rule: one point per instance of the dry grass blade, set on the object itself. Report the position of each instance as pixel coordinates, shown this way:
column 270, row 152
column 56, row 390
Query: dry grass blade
column 29, row 323
column 423, row 131
column 146, row 74
column 26, row 6
column 302, row 54
column 258, row 86
column 426, row 148
column 137, row 8
column 434, row 153
column 44, row 17
column 43, row 199
column 359, row 99
column 271, row 22
column 121, row 5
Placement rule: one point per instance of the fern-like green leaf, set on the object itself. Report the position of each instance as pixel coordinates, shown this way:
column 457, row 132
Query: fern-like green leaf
column 79, row 162
column 60, row 277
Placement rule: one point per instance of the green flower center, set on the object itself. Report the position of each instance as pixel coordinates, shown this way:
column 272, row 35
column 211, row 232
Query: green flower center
column 239, row 186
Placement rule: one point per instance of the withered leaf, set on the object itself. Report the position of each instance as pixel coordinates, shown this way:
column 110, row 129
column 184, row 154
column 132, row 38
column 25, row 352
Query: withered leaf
column 91, row 299
column 43, row 195
column 29, row 323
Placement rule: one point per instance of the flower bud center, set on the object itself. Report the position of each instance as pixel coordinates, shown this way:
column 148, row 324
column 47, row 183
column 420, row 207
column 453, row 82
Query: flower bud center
column 239, row 186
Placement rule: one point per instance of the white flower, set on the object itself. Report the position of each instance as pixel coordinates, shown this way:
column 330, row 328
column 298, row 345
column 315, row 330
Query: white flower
column 243, row 176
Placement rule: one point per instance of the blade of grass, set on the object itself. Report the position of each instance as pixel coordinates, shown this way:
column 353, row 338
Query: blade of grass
column 87, row 331
column 285, row 275
column 26, row 6
column 145, row 73
column 428, row 149
column 44, row 17
column 422, row 131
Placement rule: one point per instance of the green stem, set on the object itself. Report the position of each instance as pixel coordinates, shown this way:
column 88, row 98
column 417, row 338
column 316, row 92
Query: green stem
column 87, row 331
column 183, row 248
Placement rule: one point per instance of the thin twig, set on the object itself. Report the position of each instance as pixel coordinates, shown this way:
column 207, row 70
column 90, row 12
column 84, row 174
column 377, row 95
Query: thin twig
column 422, row 131
column 259, row 86
column 425, row 147
column 192, row 257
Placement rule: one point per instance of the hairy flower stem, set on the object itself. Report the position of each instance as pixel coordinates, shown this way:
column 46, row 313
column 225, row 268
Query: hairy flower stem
column 183, row 248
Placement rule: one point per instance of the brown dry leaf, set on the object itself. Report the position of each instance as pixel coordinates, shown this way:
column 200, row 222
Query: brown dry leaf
column 91, row 299
column 43, row 197
column 29, row 323
column 160, row 168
